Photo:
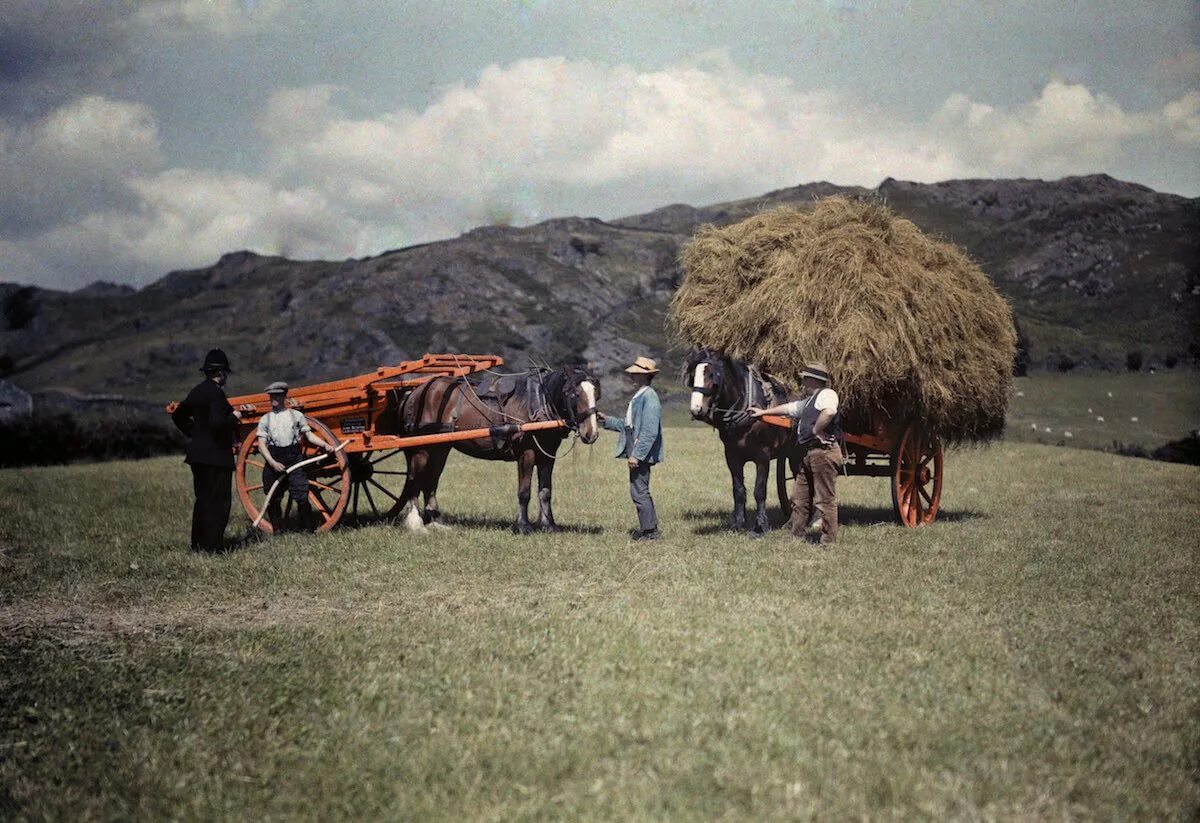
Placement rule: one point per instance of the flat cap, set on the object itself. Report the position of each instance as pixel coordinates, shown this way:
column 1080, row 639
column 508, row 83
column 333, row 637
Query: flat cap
column 278, row 387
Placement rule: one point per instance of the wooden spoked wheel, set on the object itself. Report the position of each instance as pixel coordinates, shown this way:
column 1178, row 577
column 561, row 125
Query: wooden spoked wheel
column 916, row 477
column 328, row 481
column 786, row 467
column 376, row 482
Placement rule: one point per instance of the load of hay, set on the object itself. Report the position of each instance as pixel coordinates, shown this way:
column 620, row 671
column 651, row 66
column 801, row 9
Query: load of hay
column 905, row 323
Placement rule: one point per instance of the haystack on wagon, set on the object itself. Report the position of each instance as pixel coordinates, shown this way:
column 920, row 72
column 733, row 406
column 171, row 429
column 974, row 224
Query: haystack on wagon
column 918, row 341
column 358, row 414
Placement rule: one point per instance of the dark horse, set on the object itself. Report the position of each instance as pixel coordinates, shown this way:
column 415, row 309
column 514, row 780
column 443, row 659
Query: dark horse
column 446, row 404
column 722, row 390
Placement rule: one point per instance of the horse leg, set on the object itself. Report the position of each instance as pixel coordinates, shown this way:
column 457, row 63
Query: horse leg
column 545, row 470
column 524, row 482
column 736, row 467
column 762, row 472
column 435, row 466
column 410, row 504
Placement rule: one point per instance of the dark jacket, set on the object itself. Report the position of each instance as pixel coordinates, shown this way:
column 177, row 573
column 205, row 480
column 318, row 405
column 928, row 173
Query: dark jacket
column 206, row 417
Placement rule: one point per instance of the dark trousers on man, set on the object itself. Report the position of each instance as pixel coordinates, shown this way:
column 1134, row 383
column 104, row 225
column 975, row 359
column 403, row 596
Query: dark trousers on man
column 294, row 485
column 639, row 492
column 210, row 512
column 816, row 488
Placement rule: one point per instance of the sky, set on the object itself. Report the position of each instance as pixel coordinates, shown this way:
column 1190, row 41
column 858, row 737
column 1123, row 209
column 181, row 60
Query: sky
column 139, row 137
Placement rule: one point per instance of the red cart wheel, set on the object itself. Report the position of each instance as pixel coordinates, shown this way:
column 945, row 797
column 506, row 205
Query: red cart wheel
column 916, row 477
column 328, row 481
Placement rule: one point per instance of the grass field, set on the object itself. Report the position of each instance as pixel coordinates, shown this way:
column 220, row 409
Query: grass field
column 1035, row 654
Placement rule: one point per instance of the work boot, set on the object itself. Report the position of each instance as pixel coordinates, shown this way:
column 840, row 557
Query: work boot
column 815, row 528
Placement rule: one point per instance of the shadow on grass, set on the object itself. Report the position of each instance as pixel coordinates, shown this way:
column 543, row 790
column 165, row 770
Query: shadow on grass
column 716, row 521
column 503, row 524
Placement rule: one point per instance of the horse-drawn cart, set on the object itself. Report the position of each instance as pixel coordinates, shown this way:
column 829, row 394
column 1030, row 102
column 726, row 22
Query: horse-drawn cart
column 358, row 415
column 898, row 449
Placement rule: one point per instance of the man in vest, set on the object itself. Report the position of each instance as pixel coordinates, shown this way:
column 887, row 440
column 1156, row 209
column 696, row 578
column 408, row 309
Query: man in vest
column 641, row 443
column 819, row 432
column 279, row 434
column 210, row 424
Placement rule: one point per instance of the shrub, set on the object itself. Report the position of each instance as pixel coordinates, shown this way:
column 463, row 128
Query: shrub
column 1133, row 361
column 1065, row 363
column 43, row 440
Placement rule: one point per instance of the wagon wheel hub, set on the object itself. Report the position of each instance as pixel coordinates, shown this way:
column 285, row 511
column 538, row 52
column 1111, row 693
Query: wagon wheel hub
column 361, row 469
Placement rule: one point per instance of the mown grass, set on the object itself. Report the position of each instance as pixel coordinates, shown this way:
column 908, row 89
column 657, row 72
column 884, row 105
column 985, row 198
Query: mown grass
column 1031, row 655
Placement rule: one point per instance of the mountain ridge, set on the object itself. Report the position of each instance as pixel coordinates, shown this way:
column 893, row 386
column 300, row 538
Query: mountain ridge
column 1094, row 268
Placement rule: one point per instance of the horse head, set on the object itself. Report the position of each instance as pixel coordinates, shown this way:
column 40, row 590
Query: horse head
column 707, row 374
column 572, row 392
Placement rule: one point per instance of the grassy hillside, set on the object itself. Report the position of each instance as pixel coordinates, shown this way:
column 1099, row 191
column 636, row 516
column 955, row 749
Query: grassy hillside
column 1034, row 654
column 1092, row 411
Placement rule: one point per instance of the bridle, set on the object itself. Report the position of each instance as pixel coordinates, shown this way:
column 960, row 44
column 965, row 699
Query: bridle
column 717, row 369
column 571, row 379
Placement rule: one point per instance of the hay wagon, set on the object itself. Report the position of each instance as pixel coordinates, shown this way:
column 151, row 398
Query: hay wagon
column 358, row 415
column 878, row 445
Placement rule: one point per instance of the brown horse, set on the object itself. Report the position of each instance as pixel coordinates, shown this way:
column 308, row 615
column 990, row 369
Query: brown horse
column 722, row 390
column 446, row 404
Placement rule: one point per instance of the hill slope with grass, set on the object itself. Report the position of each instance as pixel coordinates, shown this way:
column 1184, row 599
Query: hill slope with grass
column 1032, row 655
column 1094, row 267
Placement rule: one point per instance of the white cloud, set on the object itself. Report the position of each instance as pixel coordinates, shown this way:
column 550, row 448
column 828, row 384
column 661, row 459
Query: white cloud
column 526, row 141
column 76, row 159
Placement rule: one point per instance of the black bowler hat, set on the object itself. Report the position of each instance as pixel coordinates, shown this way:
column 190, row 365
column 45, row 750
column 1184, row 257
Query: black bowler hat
column 215, row 360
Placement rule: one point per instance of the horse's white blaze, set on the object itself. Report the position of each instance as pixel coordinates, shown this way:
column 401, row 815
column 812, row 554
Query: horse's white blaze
column 589, row 426
column 697, row 403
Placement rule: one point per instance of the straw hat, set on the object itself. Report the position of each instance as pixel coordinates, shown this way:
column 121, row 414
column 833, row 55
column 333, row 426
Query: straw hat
column 643, row 365
column 817, row 371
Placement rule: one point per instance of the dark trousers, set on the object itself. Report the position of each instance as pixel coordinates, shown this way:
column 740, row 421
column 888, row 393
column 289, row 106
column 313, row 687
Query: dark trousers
column 210, row 512
column 816, row 490
column 296, row 487
column 639, row 492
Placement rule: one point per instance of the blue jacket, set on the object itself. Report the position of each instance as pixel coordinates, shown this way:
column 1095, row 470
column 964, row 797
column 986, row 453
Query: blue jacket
column 646, row 434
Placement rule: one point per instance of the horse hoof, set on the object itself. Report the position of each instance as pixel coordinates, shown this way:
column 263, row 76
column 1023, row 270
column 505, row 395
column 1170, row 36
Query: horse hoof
column 553, row 528
column 522, row 528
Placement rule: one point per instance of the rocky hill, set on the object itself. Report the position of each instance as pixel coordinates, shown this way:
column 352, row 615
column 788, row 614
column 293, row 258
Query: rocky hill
column 1094, row 267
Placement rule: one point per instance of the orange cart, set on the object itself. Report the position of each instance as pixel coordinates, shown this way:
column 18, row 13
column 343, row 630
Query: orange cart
column 359, row 415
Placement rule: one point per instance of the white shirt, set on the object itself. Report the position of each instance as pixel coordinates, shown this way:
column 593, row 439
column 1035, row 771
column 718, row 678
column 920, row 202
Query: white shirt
column 283, row 428
column 629, row 408
column 827, row 400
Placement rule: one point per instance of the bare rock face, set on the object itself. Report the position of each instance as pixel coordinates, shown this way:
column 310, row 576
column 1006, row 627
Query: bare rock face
column 1093, row 266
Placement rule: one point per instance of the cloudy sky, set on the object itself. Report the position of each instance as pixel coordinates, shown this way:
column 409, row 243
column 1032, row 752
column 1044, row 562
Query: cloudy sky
column 138, row 137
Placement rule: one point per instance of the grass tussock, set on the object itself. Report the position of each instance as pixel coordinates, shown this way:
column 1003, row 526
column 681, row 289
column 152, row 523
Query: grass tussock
column 905, row 322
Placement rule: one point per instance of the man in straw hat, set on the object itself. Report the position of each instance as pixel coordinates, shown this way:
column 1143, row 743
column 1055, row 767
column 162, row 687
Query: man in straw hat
column 210, row 424
column 280, row 432
column 641, row 443
column 819, row 431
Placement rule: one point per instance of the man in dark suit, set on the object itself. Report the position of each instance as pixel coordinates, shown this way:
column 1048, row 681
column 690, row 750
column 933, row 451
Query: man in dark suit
column 210, row 424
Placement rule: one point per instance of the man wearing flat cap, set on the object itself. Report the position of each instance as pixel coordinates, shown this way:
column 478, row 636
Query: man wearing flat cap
column 210, row 424
column 640, row 443
column 280, row 432
column 818, row 432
